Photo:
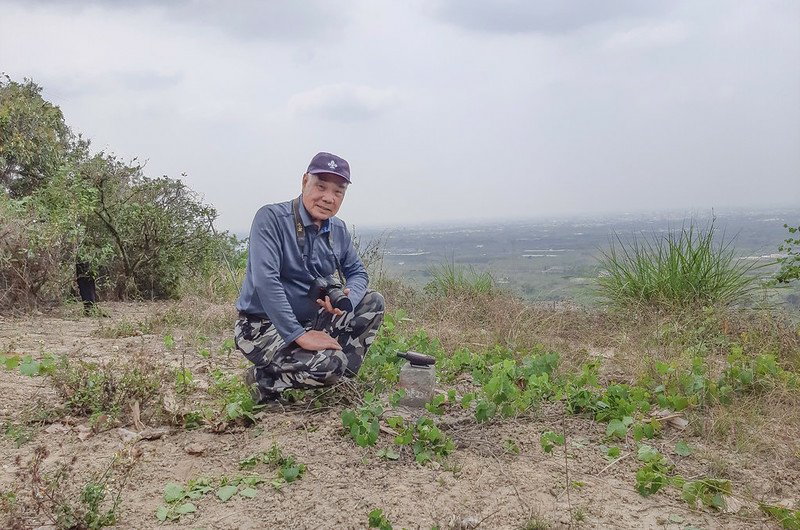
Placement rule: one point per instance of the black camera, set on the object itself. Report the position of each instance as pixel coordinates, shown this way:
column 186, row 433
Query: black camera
column 328, row 286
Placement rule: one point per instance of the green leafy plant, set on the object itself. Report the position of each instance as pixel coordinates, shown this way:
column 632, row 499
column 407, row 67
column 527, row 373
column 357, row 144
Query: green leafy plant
column 707, row 491
column 181, row 500
column 789, row 519
column 548, row 440
column 184, row 381
column 376, row 519
column 363, row 424
column 29, row 366
column 654, row 474
column 8, row 501
column 288, row 469
column 511, row 447
column 236, row 399
column 426, row 439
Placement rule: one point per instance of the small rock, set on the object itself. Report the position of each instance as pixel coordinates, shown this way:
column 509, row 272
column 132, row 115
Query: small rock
column 127, row 435
column 84, row 432
column 154, row 433
column 679, row 423
column 194, row 448
column 57, row 428
column 469, row 521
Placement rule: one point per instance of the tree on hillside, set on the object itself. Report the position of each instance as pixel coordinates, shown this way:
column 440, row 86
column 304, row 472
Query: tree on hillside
column 61, row 205
column 34, row 139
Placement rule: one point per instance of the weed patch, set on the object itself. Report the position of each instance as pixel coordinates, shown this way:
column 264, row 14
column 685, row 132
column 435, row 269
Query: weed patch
column 92, row 506
column 105, row 391
column 180, row 500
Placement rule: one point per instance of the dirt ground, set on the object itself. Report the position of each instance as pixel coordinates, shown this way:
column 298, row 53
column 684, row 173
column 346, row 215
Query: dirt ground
column 479, row 486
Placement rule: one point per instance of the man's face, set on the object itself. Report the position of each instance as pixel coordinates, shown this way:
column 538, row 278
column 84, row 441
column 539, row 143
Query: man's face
column 323, row 195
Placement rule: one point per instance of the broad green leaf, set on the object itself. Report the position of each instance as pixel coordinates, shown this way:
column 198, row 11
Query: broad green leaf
column 173, row 492
column 682, row 448
column 185, row 508
column 290, row 473
column 161, row 513
column 248, row 492
column 647, row 453
column 226, row 492
column 11, row 362
column 29, row 367
column 616, row 428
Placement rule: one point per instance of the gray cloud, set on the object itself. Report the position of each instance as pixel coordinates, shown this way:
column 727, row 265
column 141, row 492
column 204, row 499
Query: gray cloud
column 342, row 102
column 245, row 19
column 136, row 81
column 545, row 16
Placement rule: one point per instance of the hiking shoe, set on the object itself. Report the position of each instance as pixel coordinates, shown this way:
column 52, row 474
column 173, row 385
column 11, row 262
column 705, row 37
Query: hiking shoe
column 259, row 396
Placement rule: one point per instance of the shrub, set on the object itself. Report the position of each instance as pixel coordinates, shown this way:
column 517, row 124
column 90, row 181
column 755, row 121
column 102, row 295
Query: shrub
column 790, row 263
column 39, row 235
column 681, row 269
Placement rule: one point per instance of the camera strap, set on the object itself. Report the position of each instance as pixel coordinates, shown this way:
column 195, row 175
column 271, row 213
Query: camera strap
column 300, row 232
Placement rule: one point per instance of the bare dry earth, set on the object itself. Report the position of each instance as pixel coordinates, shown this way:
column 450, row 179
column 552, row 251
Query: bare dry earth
column 479, row 485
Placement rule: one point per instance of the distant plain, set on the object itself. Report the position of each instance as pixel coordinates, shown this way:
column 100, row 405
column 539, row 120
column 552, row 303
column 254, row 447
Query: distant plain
column 556, row 259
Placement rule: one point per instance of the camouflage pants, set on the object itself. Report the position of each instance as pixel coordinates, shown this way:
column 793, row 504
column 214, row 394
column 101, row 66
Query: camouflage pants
column 280, row 366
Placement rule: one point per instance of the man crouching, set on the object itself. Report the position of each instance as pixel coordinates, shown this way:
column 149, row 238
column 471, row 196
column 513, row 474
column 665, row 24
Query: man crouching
column 303, row 277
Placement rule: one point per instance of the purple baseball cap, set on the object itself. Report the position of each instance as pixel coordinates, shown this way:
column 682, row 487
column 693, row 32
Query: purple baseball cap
column 328, row 163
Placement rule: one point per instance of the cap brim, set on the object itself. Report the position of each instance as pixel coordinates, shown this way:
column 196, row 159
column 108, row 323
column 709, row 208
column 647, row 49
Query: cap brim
column 328, row 172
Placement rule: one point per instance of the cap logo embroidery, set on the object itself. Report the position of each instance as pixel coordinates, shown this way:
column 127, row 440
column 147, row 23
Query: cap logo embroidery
column 332, row 164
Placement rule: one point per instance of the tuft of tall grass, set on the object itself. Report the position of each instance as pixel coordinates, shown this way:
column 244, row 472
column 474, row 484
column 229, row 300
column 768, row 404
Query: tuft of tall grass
column 689, row 268
column 450, row 279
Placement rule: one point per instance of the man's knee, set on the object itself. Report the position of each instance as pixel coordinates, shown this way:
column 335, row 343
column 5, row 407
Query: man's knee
column 372, row 302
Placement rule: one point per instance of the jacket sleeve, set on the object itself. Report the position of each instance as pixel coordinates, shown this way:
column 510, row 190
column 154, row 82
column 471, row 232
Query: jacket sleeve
column 266, row 255
column 353, row 270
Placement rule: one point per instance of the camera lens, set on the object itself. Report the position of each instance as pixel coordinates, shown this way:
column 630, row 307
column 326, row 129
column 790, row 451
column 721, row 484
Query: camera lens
column 339, row 300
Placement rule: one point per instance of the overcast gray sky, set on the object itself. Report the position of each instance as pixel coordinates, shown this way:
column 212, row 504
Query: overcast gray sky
column 446, row 109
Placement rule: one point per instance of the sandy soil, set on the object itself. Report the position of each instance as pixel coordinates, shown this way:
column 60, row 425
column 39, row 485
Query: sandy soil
column 480, row 485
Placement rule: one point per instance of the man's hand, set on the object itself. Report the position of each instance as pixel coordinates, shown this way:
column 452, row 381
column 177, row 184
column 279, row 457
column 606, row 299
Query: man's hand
column 327, row 306
column 317, row 340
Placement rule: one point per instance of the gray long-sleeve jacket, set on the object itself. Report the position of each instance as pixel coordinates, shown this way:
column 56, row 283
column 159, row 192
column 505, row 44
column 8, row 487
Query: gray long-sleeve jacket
column 278, row 278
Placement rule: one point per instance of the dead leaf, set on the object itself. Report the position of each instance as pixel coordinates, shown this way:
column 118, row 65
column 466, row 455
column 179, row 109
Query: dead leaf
column 170, row 402
column 137, row 416
column 732, row 504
